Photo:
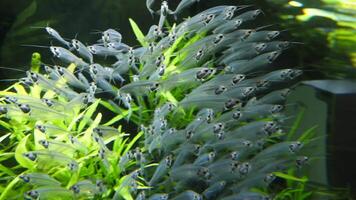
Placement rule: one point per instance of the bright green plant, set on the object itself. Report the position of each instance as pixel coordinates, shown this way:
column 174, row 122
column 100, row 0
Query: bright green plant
column 69, row 147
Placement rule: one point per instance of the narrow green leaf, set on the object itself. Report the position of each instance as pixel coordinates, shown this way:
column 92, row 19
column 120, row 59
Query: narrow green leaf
column 296, row 123
column 308, row 134
column 88, row 114
column 133, row 141
column 8, row 188
column 20, row 89
column 4, row 137
column 6, row 170
column 25, row 14
column 290, row 177
column 20, row 150
column 138, row 33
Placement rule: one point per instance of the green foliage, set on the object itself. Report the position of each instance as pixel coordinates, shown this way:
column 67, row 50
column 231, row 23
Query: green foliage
column 69, row 150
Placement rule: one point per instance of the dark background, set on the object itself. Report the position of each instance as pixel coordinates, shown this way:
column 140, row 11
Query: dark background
column 83, row 17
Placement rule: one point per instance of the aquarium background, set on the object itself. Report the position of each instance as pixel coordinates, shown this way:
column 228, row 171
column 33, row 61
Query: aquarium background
column 326, row 29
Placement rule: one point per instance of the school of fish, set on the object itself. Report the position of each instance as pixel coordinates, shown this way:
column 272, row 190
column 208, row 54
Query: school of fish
column 214, row 69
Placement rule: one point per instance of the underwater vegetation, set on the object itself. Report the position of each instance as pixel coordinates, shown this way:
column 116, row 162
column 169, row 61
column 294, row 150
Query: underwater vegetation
column 205, row 95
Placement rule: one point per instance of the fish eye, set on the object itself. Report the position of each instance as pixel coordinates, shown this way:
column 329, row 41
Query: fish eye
column 269, row 178
column 269, row 124
column 25, row 178
column 272, row 34
column 294, row 146
column 189, row 134
column 172, row 130
column 33, row 193
column 236, row 115
column 301, row 161
column 218, row 127
column 164, row 197
column 44, row 143
column 285, row 92
column 237, row 78
column 41, row 128
column 234, row 155
column 168, row 160
column 283, row 74
column 283, row 45
column 238, row 22
column 211, row 155
column 25, row 108
column 32, row 156
column 75, row 189
column 3, row 110
column 231, row 103
column 247, row 143
column 261, row 47
column 220, row 135
column 257, row 12
column 220, row 90
column 154, row 87
column 276, row 108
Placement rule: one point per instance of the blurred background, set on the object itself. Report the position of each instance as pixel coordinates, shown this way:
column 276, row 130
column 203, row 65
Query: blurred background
column 326, row 29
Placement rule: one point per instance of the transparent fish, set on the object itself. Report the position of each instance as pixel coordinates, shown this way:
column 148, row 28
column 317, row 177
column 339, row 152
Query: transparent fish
column 67, row 56
column 82, row 50
column 47, row 192
column 188, row 195
column 161, row 170
column 39, row 179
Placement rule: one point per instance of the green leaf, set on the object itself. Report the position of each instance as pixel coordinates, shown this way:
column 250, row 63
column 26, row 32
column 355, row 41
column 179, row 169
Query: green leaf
column 308, row 134
column 20, row 89
column 8, row 188
column 4, row 137
column 296, row 124
column 290, row 177
column 138, row 33
column 5, row 125
column 133, row 141
column 25, row 14
column 20, row 150
column 111, row 106
column 125, row 193
column 88, row 114
column 6, row 170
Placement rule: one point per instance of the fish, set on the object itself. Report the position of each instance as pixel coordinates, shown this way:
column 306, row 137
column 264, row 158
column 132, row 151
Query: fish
column 82, row 50
column 103, row 51
column 85, row 188
column 258, row 63
column 160, row 196
column 184, row 4
column 39, row 179
column 149, row 4
column 67, row 56
column 161, row 170
column 111, row 35
column 188, row 195
column 48, row 158
column 213, row 191
column 46, row 192
column 52, row 32
column 163, row 13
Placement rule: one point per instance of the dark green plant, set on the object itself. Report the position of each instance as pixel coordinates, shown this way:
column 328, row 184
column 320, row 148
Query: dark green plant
column 206, row 95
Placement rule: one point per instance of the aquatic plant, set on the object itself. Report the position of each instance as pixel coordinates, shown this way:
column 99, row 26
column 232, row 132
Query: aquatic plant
column 206, row 95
